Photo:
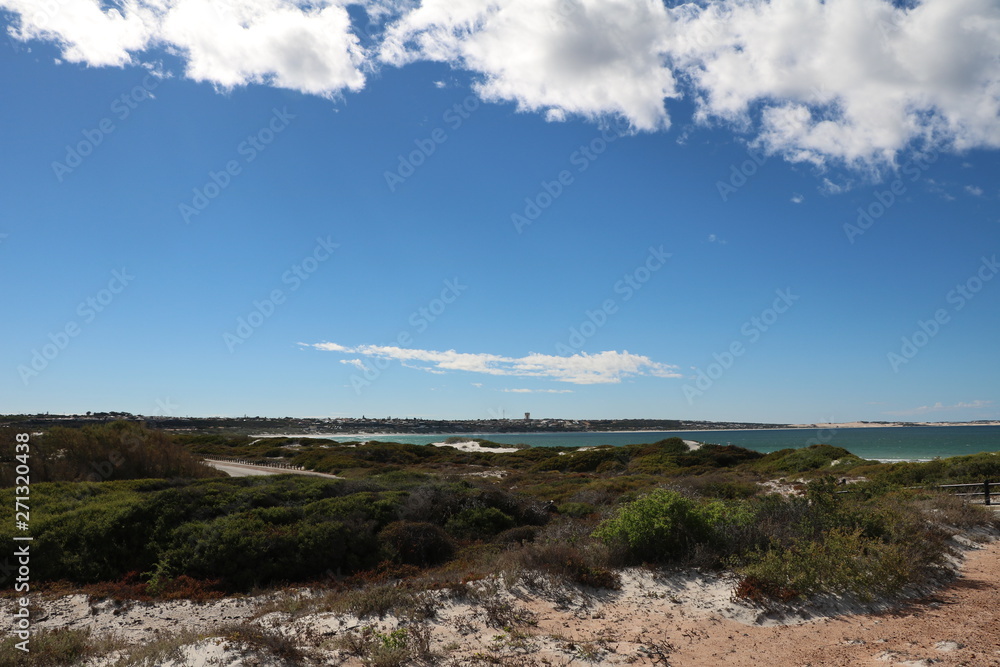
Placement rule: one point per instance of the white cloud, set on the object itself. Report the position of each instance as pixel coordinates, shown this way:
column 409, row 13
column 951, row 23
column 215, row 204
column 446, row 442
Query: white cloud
column 797, row 198
column 559, row 57
column 974, row 190
column 357, row 363
column 86, row 32
column 309, row 47
column 537, row 391
column 852, row 82
column 599, row 368
column 940, row 407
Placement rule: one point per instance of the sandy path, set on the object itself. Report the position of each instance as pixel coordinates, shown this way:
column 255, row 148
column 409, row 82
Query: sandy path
column 247, row 470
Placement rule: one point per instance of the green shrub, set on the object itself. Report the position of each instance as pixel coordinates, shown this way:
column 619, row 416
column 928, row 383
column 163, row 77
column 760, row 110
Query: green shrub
column 726, row 485
column 576, row 510
column 403, row 646
column 654, row 464
column 660, row 526
column 586, row 563
column 115, row 451
column 814, row 457
column 588, row 460
column 844, row 561
column 241, row 531
column 416, row 543
column 434, row 502
column 478, row 522
column 517, row 535
column 611, row 467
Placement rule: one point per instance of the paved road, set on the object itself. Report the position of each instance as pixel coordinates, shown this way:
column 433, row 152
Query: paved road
column 247, row 470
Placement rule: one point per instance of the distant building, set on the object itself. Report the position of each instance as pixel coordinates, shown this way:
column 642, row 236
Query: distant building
column 527, row 416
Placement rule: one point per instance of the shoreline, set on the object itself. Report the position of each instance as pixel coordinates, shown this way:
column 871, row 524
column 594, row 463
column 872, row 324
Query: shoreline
column 792, row 427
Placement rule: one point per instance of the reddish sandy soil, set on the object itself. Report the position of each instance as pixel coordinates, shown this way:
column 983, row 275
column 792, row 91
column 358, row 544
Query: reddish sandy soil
column 958, row 625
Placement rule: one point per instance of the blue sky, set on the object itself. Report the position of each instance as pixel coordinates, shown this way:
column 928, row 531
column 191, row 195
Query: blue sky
column 404, row 223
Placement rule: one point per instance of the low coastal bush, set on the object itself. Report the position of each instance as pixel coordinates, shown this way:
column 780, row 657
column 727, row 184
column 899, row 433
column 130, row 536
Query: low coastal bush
column 570, row 514
column 955, row 470
column 814, row 457
column 661, row 526
column 867, row 544
column 577, row 510
column 53, row 648
column 253, row 531
column 479, row 522
column 587, row 563
column 115, row 451
column 403, row 646
column 416, row 543
column 856, row 544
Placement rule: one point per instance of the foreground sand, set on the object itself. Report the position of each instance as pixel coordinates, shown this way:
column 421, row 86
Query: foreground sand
column 957, row 625
column 688, row 619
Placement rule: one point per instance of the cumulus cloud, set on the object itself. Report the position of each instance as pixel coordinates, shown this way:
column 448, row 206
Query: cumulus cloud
column 599, row 368
column 559, row 57
column 309, row 47
column 84, row 31
column 852, row 82
column 855, row 80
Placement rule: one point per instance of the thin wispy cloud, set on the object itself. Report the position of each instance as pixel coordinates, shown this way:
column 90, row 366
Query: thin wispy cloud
column 598, row 368
column 537, row 391
column 856, row 82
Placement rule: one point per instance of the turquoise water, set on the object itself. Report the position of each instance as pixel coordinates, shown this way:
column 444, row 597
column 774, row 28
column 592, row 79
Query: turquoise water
column 888, row 443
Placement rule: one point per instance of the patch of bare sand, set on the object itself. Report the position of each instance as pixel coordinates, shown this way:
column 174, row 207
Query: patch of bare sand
column 957, row 625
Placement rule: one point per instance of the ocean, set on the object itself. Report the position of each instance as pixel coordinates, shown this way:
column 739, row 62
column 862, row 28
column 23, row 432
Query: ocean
column 901, row 443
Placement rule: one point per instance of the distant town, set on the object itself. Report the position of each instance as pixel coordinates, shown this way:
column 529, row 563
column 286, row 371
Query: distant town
column 339, row 426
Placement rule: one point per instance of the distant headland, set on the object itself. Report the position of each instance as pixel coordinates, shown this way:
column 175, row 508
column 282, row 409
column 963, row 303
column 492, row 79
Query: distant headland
column 341, row 426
